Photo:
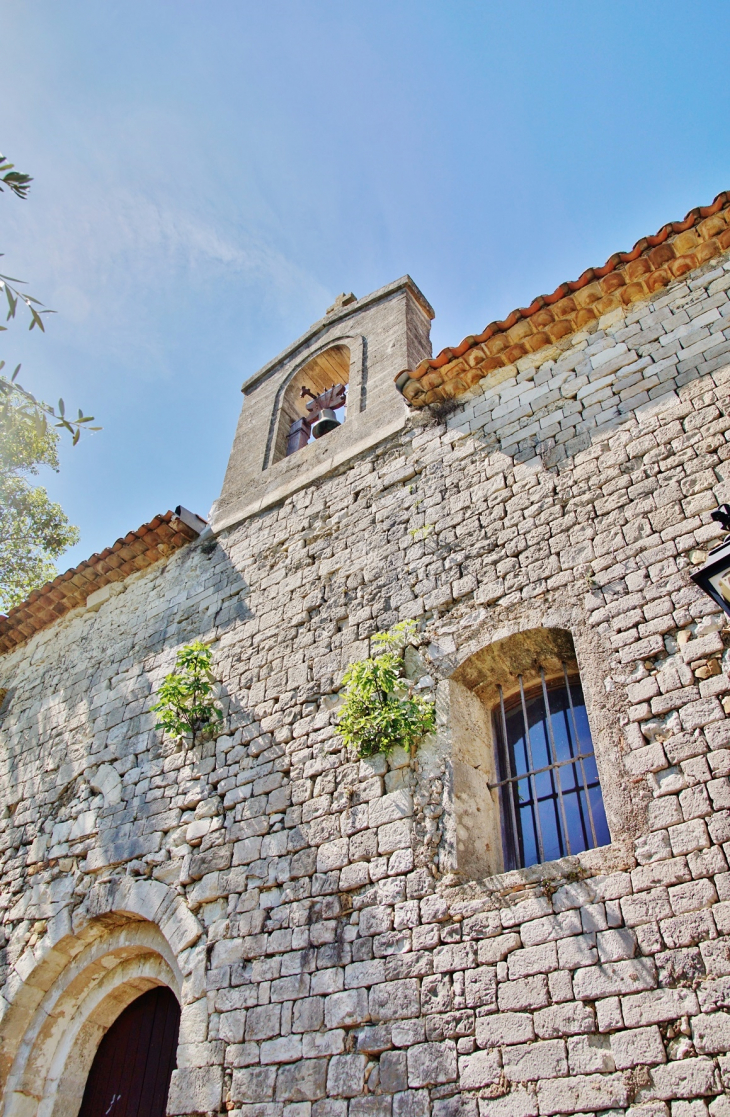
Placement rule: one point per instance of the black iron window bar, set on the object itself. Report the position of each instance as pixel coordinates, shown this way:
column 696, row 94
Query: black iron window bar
column 577, row 758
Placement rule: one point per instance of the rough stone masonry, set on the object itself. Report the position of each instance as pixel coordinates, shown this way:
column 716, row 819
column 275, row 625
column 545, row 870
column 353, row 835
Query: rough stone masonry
column 339, row 936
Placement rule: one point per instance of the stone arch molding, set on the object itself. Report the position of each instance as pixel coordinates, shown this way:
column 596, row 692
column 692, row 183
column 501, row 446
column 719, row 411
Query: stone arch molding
column 62, row 995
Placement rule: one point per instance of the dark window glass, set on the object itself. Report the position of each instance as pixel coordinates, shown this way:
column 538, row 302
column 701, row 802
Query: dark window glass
column 548, row 780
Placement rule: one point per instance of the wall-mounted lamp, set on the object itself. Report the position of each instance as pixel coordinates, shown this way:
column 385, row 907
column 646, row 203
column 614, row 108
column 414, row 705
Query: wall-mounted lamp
column 714, row 576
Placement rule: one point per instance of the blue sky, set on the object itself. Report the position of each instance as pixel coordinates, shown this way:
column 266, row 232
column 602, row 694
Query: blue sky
column 209, row 176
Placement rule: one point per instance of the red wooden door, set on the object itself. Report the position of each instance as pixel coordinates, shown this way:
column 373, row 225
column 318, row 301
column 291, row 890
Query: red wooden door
column 130, row 1075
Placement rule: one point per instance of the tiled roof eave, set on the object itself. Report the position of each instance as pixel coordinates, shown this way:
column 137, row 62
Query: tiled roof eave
column 138, row 550
column 653, row 263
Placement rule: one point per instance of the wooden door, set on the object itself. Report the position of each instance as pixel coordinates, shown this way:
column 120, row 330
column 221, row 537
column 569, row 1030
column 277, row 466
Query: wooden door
column 130, row 1075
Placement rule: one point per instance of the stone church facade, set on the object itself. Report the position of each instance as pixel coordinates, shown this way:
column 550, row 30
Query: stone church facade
column 404, row 935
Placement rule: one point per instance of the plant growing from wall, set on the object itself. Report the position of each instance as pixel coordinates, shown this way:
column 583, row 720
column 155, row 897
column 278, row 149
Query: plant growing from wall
column 185, row 703
column 380, row 711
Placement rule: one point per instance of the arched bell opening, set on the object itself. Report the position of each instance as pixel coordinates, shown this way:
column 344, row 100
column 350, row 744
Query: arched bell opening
column 314, row 401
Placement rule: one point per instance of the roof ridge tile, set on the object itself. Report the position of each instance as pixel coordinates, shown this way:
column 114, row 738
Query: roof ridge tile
column 426, row 384
column 150, row 543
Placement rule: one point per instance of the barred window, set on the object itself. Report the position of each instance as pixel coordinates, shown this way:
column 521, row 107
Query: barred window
column 550, row 794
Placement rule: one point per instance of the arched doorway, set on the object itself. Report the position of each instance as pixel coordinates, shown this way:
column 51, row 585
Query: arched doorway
column 73, row 988
column 130, row 1075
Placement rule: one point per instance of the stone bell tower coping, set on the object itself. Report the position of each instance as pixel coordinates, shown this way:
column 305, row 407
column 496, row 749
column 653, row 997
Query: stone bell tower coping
column 368, row 342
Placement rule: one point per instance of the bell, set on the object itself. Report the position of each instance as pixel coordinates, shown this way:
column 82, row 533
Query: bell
column 327, row 422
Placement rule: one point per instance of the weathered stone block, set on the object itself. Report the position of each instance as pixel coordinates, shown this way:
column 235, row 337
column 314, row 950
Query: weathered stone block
column 582, row 1093
column 480, row 987
column 430, row 1064
column 526, row 993
column 346, row 1075
column 590, row 1055
column 394, row 1000
column 658, row 1005
column 532, row 1061
column 564, row 1020
column 614, row 978
column 504, row 1027
column 252, row 1084
column 231, row 1026
column 303, row 1081
column 375, row 920
column 316, row 1045
column 370, row 1106
column 393, row 836
column 332, row 855
column 711, row 1033
column 213, row 860
column 459, row 956
column 286, row 1049
column 519, row 1102
column 263, row 1022
column 390, row 808
column 549, row 928
column 307, row 1014
column 533, row 960
column 637, row 1047
column 411, row 1103
column 342, row 1010
column 687, row 1078
column 393, row 1071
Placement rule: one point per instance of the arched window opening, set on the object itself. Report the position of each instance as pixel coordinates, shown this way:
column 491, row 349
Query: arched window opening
column 526, row 782
column 314, row 402
column 133, row 1065
column 550, row 794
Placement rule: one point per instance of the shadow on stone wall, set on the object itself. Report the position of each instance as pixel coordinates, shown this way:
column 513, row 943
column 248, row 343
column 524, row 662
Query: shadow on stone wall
column 79, row 753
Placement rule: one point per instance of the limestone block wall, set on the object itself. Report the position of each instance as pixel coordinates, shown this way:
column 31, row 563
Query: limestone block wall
column 554, row 401
column 310, row 908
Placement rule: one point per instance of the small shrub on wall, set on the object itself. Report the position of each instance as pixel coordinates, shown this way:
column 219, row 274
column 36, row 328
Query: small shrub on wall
column 185, row 704
column 380, row 711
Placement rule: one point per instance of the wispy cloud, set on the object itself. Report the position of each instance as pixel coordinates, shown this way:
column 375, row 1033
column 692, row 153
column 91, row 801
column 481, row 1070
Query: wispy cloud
column 114, row 259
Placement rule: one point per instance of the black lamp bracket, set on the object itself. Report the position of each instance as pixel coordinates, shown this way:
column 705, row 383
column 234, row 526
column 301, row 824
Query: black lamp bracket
column 721, row 515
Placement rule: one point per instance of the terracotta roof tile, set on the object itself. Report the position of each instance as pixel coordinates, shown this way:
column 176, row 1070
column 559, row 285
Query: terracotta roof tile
column 138, row 549
column 653, row 263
